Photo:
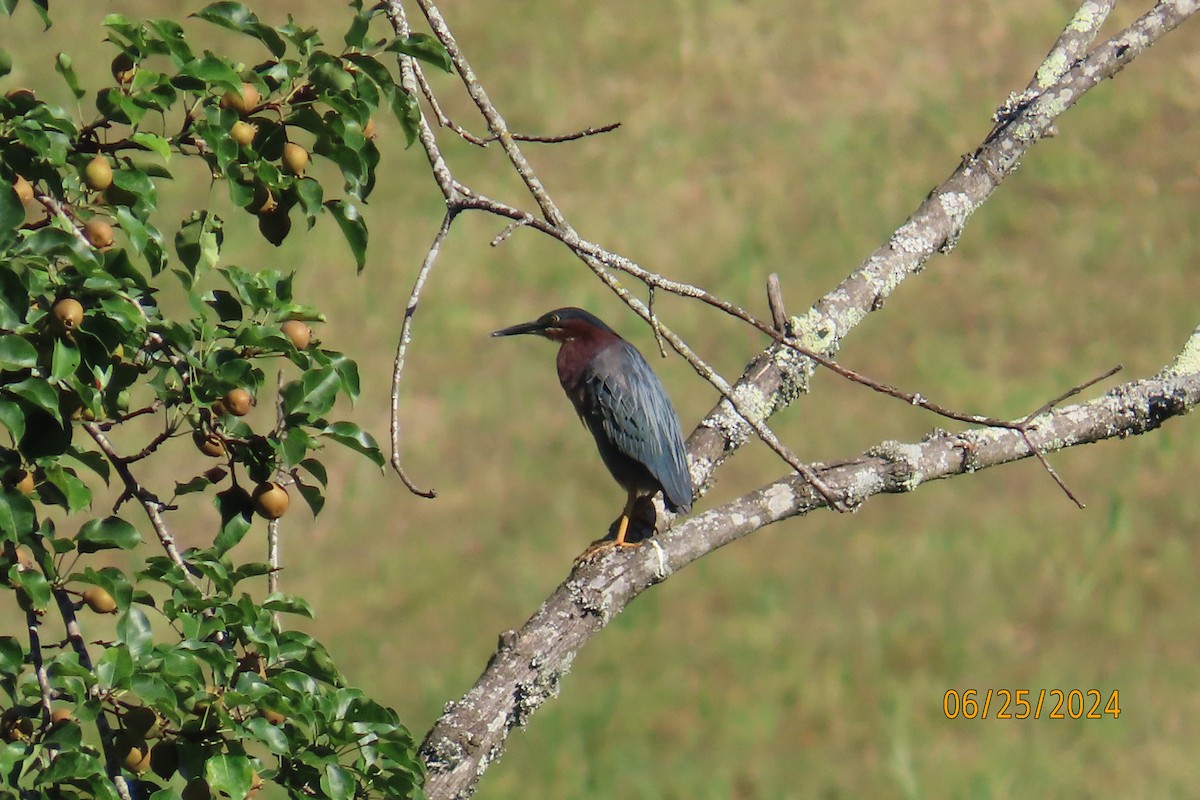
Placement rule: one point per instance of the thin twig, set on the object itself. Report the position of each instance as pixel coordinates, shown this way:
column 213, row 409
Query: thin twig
column 566, row 137
column 775, row 304
column 154, row 444
column 501, row 237
column 483, row 141
column 66, row 609
column 409, row 70
column 55, row 208
column 410, row 311
column 1069, row 393
column 495, row 121
column 273, row 554
column 149, row 502
column 1025, row 425
column 109, row 424
column 442, row 118
column 658, row 340
column 33, row 622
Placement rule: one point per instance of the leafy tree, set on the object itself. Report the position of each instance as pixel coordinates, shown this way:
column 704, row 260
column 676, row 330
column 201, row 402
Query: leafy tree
column 198, row 688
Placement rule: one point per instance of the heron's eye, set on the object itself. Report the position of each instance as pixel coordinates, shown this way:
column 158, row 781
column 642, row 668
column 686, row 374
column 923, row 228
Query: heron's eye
column 552, row 319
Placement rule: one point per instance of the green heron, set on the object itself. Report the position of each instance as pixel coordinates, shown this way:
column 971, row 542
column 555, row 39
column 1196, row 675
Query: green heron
column 623, row 404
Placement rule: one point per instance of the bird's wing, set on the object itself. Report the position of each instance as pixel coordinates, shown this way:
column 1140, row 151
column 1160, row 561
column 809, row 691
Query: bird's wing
column 637, row 416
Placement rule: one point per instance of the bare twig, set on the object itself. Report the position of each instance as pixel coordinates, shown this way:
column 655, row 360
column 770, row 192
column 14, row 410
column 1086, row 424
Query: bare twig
column 495, row 121
column 402, row 348
column 658, row 340
column 445, row 122
column 775, row 304
column 1025, row 425
column 168, row 431
column 567, row 137
column 108, row 425
column 442, row 118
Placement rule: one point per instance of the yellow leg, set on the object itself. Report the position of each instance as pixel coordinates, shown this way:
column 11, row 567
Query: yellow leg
column 623, row 525
column 622, row 529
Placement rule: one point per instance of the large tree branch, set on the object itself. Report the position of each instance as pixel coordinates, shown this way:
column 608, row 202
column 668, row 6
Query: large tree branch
column 778, row 376
column 526, row 668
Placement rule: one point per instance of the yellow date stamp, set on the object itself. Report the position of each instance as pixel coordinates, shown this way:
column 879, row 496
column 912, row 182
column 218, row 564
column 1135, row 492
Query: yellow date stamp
column 1031, row 704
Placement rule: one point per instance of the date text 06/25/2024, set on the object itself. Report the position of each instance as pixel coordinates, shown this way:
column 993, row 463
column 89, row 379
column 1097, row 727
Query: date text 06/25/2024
column 1031, row 704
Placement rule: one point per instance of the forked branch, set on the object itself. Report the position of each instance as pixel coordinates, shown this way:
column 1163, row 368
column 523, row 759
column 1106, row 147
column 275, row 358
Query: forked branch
column 527, row 667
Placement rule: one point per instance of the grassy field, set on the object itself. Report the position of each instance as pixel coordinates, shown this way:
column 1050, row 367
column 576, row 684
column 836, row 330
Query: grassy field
column 811, row 659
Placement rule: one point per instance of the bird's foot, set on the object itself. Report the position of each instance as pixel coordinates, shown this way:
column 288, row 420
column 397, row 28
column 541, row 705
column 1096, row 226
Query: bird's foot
column 599, row 547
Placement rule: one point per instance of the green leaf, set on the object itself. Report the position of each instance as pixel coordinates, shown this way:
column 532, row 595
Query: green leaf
column 51, row 241
column 133, row 628
column 12, row 214
column 118, row 106
column 424, row 47
column 66, row 360
column 354, row 228
column 75, row 493
column 408, row 113
column 210, row 69
column 311, row 197
column 225, row 304
column 12, row 656
column 234, row 507
column 16, row 353
column 152, row 689
column 314, row 394
column 13, row 418
column 354, row 437
column 62, row 65
column 316, row 469
column 337, row 782
column 107, row 534
column 114, row 668
column 347, row 370
column 312, row 495
column 38, row 392
column 238, row 17
column 154, row 143
column 295, row 446
column 229, row 774
column 16, row 513
column 43, row 9
column 274, row 738
column 35, row 585
column 94, row 461
column 75, row 767
column 200, row 483
column 135, row 182
column 173, row 37
column 328, row 74
column 199, row 241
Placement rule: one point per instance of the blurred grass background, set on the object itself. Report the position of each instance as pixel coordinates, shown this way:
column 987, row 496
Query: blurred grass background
column 811, row 659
